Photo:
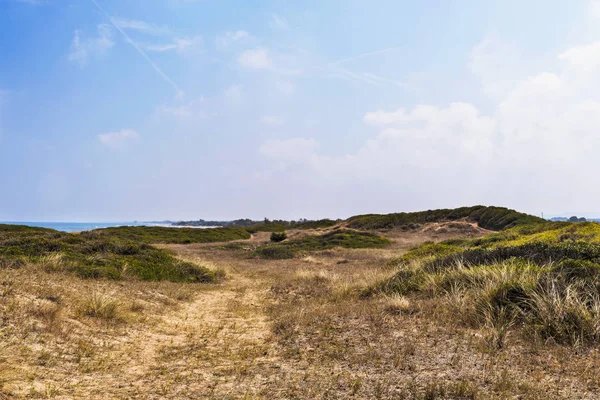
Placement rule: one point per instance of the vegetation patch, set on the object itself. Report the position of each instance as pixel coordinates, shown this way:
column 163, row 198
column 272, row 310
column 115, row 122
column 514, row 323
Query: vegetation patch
column 278, row 237
column 319, row 224
column 544, row 278
column 94, row 255
column 493, row 218
column 339, row 238
column 157, row 234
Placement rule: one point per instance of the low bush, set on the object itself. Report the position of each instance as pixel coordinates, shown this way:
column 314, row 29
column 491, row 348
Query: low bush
column 274, row 252
column 278, row 237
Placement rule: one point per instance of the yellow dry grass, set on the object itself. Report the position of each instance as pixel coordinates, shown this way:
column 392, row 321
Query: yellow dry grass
column 271, row 330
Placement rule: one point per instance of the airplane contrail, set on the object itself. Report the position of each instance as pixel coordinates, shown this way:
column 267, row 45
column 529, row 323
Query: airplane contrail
column 180, row 92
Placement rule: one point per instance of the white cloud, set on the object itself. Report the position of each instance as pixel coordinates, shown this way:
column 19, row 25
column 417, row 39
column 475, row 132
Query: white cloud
column 120, row 139
column 584, row 58
column 255, row 59
column 279, row 22
column 165, row 77
column 272, row 120
column 233, row 93
column 181, row 45
column 83, row 48
column 497, row 64
column 289, row 151
column 541, row 134
column 142, row 27
column 594, row 8
column 192, row 110
column 285, row 87
column 228, row 38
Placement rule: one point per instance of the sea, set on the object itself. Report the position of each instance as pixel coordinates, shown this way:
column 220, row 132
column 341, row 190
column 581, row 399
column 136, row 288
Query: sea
column 84, row 226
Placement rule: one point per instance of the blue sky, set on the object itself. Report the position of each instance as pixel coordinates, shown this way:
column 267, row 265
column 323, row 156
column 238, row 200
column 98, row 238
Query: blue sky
column 180, row 109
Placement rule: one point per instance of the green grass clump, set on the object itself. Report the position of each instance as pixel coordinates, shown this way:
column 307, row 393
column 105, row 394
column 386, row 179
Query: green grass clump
column 339, row 238
column 94, row 256
column 553, row 302
column 493, row 218
column 157, row 234
column 274, row 252
column 537, row 243
column 425, row 250
column 545, row 278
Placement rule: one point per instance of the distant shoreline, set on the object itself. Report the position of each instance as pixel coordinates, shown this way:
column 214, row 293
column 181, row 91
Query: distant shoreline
column 74, row 227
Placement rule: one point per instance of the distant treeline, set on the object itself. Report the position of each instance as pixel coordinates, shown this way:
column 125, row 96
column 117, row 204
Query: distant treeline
column 574, row 219
column 492, row 218
column 264, row 225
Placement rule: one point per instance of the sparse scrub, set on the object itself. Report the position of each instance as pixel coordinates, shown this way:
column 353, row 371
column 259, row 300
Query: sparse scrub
column 338, row 238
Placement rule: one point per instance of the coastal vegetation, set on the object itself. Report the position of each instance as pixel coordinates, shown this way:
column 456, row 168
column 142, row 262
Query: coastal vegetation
column 278, row 237
column 94, row 255
column 261, row 226
column 429, row 310
column 337, row 238
column 159, row 234
column 492, row 218
column 543, row 278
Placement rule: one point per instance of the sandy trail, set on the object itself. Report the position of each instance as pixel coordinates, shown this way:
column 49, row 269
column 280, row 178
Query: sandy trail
column 222, row 332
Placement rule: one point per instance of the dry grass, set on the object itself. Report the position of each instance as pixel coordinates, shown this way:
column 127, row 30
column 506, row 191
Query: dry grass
column 277, row 329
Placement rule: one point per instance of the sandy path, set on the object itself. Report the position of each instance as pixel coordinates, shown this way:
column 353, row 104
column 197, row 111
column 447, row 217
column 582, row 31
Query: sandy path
column 210, row 342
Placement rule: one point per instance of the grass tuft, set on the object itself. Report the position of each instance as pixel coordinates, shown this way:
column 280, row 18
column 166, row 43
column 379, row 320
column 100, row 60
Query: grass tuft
column 100, row 306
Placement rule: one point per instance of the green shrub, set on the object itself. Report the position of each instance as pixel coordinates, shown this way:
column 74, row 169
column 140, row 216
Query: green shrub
column 275, row 252
column 278, row 237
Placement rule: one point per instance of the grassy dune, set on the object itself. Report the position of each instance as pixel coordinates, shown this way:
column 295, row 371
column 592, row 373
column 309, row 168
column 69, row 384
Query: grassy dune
column 334, row 314
column 493, row 218
column 543, row 278
column 157, row 234
column 94, row 255
column 337, row 238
